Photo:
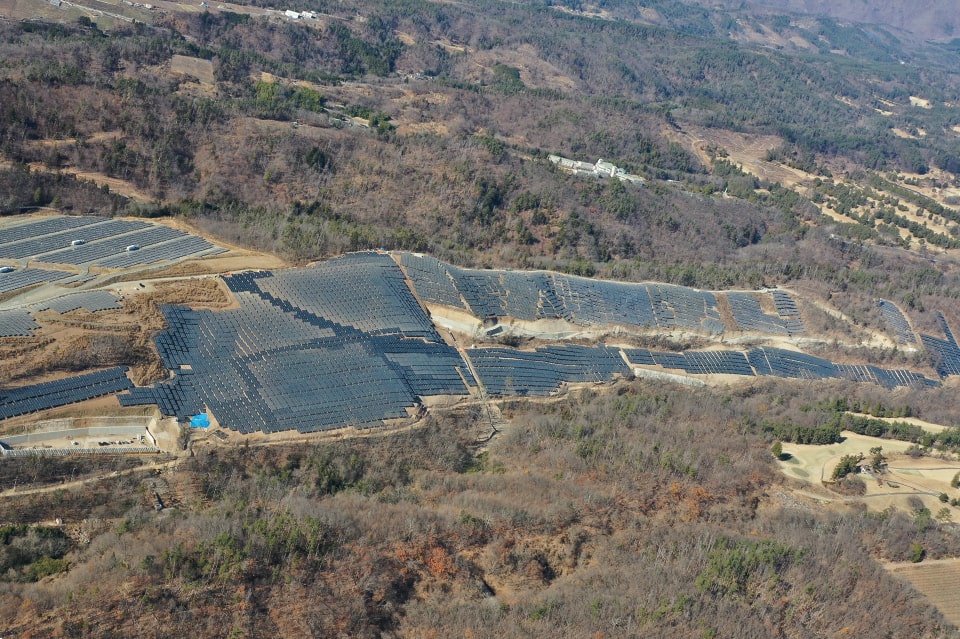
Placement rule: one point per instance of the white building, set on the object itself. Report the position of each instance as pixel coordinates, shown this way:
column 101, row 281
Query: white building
column 601, row 169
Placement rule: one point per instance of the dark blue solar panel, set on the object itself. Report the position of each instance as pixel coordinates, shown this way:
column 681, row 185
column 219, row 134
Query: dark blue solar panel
column 93, row 301
column 17, row 323
column 505, row 371
column 749, row 315
column 54, row 246
column 639, row 356
column 432, row 279
column 897, row 322
column 37, row 227
column 22, row 278
column 47, row 395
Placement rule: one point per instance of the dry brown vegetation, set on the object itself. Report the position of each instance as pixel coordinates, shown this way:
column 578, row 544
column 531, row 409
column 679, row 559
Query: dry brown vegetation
column 596, row 515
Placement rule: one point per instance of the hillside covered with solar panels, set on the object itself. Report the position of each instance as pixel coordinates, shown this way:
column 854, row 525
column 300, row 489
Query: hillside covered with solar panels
column 367, row 339
column 356, row 341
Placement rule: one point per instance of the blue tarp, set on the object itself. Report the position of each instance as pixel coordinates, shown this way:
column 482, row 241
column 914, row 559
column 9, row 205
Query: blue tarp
column 201, row 420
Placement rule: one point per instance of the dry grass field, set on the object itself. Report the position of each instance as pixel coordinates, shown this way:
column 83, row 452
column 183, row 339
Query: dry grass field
column 938, row 580
column 743, row 149
column 197, row 68
column 905, row 478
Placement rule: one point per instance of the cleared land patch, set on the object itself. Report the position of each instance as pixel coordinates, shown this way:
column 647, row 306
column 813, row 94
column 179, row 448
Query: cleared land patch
column 905, row 477
column 938, row 581
column 197, row 68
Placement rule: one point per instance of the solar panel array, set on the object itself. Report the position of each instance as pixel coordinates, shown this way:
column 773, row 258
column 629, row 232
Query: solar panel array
column 35, row 227
column 433, row 281
column 364, row 290
column 47, row 395
column 62, row 241
column 93, row 301
column 94, row 252
column 945, row 353
column 343, row 343
column 543, row 295
column 749, row 315
column 22, row 278
column 696, row 362
column 942, row 321
column 772, row 361
column 505, row 371
column 783, row 363
column 897, row 321
column 178, row 248
column 887, row 378
column 99, row 241
column 17, row 323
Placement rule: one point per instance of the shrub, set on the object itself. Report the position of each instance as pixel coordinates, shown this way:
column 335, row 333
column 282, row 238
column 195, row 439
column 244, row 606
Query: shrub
column 917, row 553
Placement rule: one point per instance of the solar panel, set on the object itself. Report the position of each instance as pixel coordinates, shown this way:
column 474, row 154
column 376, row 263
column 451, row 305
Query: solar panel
column 23, row 278
column 896, row 320
column 63, row 241
column 505, row 371
column 17, row 323
column 35, row 227
column 93, row 301
column 47, row 395
column 749, row 315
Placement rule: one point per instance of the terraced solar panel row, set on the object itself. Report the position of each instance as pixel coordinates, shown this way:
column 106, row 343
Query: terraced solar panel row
column 47, row 395
column 589, row 302
column 22, row 278
column 44, row 226
column 94, row 252
column 366, row 291
column 505, row 371
column 639, row 356
column 945, row 354
column 942, row 321
column 60, row 242
column 718, row 362
column 542, row 295
column 886, row 378
column 17, row 323
column 786, row 306
column 178, row 248
column 771, row 361
column 93, row 301
column 432, row 279
column 783, row 363
column 749, row 315
column 898, row 323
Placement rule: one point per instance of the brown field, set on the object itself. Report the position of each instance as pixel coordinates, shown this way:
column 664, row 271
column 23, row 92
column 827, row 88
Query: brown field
column 938, row 581
column 26, row 9
column 744, row 149
column 534, row 72
column 202, row 70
